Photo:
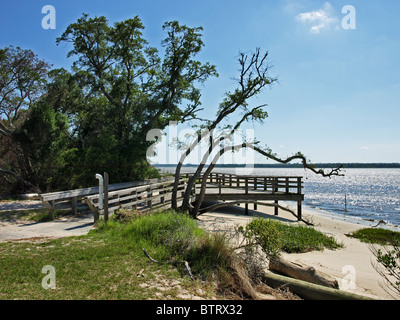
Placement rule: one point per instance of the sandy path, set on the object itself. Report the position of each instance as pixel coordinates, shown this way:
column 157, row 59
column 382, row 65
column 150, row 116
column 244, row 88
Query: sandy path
column 61, row 227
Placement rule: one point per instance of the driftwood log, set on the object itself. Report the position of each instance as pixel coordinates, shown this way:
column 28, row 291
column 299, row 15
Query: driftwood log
column 309, row 291
column 302, row 272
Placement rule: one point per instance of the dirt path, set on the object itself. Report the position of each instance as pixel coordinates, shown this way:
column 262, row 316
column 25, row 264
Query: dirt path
column 12, row 230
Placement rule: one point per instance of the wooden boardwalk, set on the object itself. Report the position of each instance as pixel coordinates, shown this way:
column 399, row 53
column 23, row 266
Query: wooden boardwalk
column 254, row 189
column 156, row 193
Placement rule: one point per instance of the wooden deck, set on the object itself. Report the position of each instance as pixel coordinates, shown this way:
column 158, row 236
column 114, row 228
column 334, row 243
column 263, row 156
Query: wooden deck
column 254, row 189
column 157, row 193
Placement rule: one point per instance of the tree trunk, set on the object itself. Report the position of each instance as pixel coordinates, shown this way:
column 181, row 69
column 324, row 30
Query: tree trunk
column 302, row 272
column 310, row 291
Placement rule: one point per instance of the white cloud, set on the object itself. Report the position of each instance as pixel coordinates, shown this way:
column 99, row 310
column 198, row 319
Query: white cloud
column 321, row 19
column 364, row 148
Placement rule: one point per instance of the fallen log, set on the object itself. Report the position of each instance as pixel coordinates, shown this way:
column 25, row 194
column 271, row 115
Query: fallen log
column 302, row 272
column 309, row 291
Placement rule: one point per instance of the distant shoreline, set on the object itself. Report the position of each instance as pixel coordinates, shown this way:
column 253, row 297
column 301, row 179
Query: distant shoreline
column 298, row 165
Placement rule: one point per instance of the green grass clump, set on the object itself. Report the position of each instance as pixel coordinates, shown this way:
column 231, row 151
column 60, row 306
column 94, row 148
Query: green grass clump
column 300, row 239
column 274, row 236
column 376, row 235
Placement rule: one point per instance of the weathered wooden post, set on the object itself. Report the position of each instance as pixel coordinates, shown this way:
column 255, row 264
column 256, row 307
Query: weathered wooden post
column 74, row 205
column 299, row 186
column 149, row 196
column 105, row 190
column 275, row 188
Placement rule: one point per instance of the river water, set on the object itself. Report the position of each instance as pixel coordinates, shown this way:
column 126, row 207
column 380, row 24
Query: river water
column 368, row 194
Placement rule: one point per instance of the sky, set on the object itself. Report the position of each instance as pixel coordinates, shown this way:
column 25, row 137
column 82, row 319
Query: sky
column 338, row 65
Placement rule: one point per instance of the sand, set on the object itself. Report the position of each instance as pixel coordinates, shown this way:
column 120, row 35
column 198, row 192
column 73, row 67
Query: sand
column 353, row 262
column 352, row 266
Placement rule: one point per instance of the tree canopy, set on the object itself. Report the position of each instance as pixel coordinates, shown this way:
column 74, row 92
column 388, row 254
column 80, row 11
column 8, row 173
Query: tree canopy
column 118, row 89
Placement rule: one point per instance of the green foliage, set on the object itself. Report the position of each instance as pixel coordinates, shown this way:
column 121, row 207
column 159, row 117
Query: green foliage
column 212, row 253
column 376, row 235
column 265, row 233
column 300, row 239
column 274, row 237
column 118, row 90
column 43, row 140
column 390, row 260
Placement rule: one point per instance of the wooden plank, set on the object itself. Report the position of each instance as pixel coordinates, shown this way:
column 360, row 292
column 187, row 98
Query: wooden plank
column 254, row 196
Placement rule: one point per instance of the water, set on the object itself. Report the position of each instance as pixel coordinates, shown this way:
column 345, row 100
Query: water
column 371, row 194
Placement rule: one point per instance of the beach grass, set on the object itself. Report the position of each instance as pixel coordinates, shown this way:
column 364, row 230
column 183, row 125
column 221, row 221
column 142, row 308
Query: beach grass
column 376, row 235
column 301, row 239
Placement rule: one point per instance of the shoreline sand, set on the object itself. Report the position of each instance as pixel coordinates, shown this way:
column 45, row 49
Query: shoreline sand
column 353, row 263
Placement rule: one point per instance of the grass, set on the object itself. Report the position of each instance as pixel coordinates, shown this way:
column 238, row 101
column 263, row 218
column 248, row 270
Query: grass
column 376, row 235
column 274, row 236
column 109, row 262
column 300, row 239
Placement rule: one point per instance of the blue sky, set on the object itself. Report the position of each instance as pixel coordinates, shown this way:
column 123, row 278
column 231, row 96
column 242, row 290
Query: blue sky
column 338, row 97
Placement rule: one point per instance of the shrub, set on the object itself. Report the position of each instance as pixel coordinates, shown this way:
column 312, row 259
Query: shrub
column 389, row 263
column 273, row 237
column 265, row 233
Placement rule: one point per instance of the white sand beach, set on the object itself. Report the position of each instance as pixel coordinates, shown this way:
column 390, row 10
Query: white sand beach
column 352, row 266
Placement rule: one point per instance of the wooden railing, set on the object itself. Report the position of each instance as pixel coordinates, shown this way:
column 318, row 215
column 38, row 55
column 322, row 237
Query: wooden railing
column 272, row 184
column 156, row 193
column 145, row 197
column 61, row 199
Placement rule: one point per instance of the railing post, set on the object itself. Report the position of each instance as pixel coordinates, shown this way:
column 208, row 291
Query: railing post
column 287, row 184
column 299, row 185
column 74, row 205
column 105, row 190
column 149, row 197
column 162, row 199
column 299, row 213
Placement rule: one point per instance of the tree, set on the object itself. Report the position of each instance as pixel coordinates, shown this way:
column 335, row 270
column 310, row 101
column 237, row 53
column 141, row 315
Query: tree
column 131, row 89
column 22, row 81
column 43, row 143
column 253, row 78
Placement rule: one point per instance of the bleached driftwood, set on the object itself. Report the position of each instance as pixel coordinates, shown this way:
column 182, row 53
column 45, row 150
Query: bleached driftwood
column 302, row 272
